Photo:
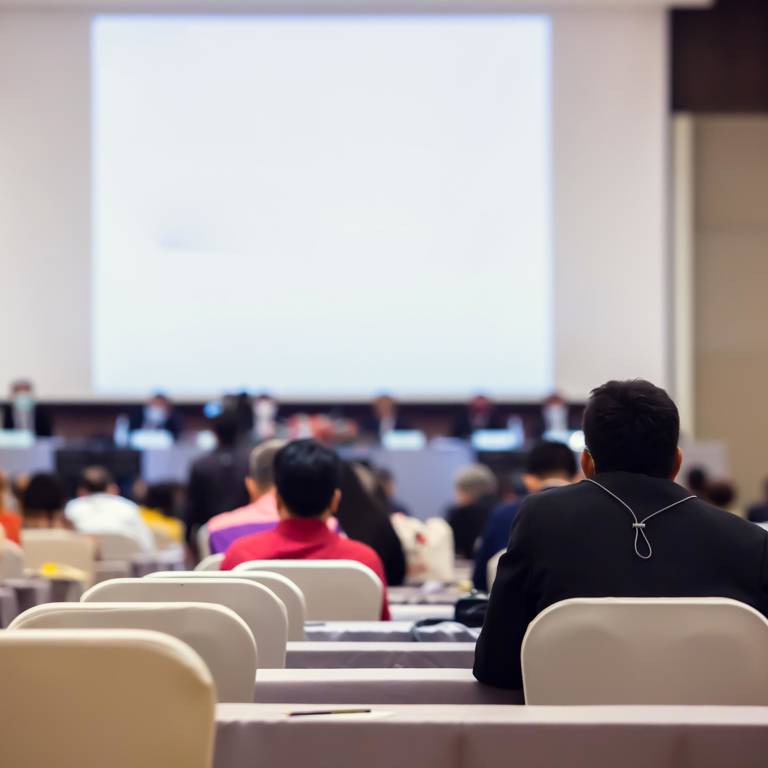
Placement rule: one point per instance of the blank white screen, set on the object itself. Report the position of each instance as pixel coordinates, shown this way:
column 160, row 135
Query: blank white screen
column 322, row 206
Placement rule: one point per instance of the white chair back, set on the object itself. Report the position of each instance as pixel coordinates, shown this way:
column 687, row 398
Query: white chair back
column 104, row 698
column 163, row 539
column 291, row 596
column 428, row 547
column 492, row 568
column 11, row 560
column 335, row 590
column 56, row 546
column 203, row 541
column 210, row 563
column 708, row 651
column 117, row 546
column 216, row 633
column 261, row 610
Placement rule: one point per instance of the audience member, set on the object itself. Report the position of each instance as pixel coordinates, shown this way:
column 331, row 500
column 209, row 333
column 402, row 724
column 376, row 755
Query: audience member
column 548, row 465
column 23, row 412
column 10, row 522
column 307, row 478
column 158, row 413
column 387, row 493
column 385, row 417
column 628, row 530
column 476, row 491
column 217, row 480
column 364, row 518
column 99, row 509
column 261, row 513
column 42, row 502
column 758, row 513
column 697, row 481
column 159, row 509
column 480, row 413
column 722, row 494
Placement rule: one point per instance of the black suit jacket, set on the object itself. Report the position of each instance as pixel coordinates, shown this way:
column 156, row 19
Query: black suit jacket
column 577, row 541
column 43, row 426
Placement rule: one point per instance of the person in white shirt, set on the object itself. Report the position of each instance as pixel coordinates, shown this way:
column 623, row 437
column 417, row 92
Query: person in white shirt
column 100, row 509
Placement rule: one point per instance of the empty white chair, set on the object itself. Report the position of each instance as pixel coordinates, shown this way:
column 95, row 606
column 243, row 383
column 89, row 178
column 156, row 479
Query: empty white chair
column 117, row 546
column 210, row 563
column 261, row 610
column 335, row 590
column 11, row 560
column 216, row 633
column 57, row 546
column 647, row 651
column 291, row 596
column 493, row 567
column 104, row 698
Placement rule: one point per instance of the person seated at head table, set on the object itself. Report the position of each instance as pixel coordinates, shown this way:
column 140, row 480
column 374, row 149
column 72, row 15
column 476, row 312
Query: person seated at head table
column 476, row 489
column 307, row 477
column 99, row 509
column 217, row 479
column 479, row 413
column 42, row 502
column 158, row 413
column 548, row 465
column 385, row 417
column 10, row 522
column 261, row 513
column 627, row 530
column 158, row 510
column 364, row 518
column 23, row 412
column 758, row 513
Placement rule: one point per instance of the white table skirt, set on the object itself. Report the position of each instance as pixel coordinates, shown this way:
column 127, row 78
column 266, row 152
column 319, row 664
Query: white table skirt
column 377, row 686
column 419, row 612
column 261, row 735
column 324, row 655
column 387, row 631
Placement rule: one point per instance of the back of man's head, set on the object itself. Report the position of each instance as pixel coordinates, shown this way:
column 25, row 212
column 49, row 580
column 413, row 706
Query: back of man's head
column 226, row 427
column 306, row 477
column 262, row 464
column 95, row 480
column 549, row 459
column 632, row 426
column 475, row 482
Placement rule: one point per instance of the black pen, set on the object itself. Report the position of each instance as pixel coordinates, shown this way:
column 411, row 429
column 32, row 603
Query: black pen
column 331, row 712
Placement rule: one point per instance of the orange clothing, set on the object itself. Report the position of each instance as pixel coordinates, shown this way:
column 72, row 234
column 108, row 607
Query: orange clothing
column 12, row 524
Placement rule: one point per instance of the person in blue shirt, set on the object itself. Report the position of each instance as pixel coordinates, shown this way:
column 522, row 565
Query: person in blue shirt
column 548, row 465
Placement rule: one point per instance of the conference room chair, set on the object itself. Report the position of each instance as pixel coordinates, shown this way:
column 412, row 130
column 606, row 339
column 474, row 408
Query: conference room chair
column 203, row 542
column 61, row 547
column 262, row 611
column 493, row 567
column 707, row 651
column 335, row 590
column 210, row 563
column 11, row 560
column 104, row 698
column 117, row 546
column 216, row 633
column 291, row 596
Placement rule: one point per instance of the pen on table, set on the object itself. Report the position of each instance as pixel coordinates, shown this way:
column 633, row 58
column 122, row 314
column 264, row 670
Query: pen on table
column 331, row 712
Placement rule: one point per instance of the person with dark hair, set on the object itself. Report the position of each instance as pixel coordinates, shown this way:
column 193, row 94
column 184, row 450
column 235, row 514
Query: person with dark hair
column 548, row 465
column 307, row 479
column 24, row 412
column 42, row 502
column 364, row 518
column 99, row 509
column 159, row 511
column 158, row 413
column 722, row 494
column 217, row 480
column 627, row 530
column 386, row 491
column 697, row 481
column 758, row 513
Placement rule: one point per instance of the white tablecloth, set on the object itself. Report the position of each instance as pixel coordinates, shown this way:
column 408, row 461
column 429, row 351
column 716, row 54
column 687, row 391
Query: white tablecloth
column 388, row 631
column 326, row 655
column 419, row 612
column 261, row 735
column 377, row 686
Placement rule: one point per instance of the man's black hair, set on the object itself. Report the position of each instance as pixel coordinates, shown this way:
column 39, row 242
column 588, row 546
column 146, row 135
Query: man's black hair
column 632, row 426
column 549, row 458
column 306, row 476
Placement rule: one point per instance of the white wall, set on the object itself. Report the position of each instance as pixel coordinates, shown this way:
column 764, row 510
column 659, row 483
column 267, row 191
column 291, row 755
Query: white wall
column 610, row 198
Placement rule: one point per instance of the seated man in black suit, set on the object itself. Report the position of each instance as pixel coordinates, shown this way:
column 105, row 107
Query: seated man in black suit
column 628, row 530
column 23, row 412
